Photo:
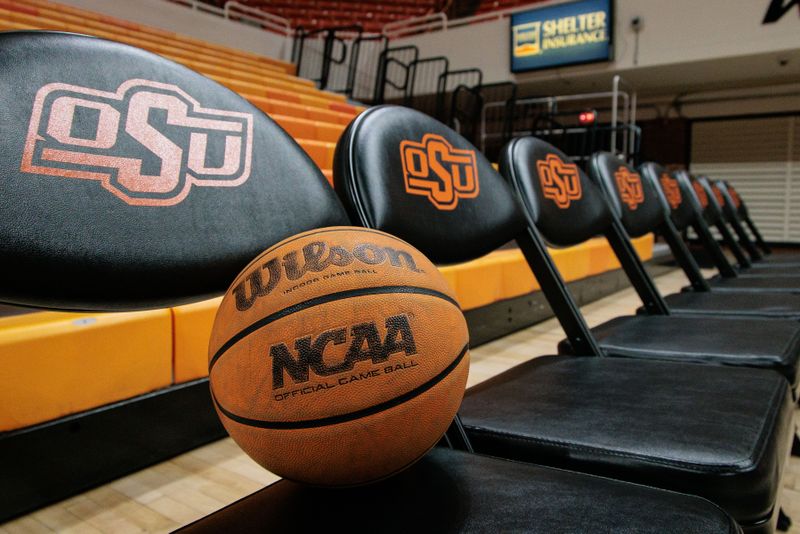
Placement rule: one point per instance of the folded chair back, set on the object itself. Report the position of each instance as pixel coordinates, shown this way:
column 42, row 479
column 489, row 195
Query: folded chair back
column 681, row 209
column 641, row 206
column 559, row 198
column 635, row 201
column 731, row 214
column 714, row 215
column 400, row 171
column 744, row 215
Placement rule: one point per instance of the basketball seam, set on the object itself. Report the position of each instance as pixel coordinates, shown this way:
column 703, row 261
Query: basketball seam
column 331, row 297
column 344, row 418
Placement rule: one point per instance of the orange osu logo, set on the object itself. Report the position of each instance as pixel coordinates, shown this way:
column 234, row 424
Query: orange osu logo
column 701, row 194
column 737, row 201
column 629, row 185
column 147, row 143
column 433, row 168
column 561, row 182
column 718, row 195
column 671, row 190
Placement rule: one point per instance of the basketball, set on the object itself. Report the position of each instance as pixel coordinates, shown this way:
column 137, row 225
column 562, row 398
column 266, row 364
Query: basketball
column 338, row 357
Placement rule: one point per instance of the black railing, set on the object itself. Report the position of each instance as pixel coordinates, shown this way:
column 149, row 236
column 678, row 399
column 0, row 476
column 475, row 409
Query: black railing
column 368, row 70
column 333, row 58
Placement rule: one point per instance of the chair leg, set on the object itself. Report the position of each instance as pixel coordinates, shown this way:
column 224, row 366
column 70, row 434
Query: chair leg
column 784, row 521
column 796, row 445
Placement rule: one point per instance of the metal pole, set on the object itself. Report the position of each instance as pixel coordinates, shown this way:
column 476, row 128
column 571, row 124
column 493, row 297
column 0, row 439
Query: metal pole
column 632, row 148
column 614, row 94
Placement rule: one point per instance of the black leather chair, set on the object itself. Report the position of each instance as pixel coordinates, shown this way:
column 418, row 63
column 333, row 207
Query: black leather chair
column 530, row 164
column 744, row 215
column 699, row 210
column 748, row 256
column 759, row 266
column 166, row 207
column 720, row 432
column 652, row 215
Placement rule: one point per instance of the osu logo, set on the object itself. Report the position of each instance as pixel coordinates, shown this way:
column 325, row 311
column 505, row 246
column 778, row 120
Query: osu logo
column 147, row 143
column 671, row 190
column 701, row 194
column 364, row 344
column 737, row 201
column 718, row 195
column 433, row 168
column 629, row 185
column 561, row 182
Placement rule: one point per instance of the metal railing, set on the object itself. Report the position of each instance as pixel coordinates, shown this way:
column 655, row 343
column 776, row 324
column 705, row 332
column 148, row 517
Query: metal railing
column 326, row 56
column 251, row 16
column 542, row 117
column 268, row 21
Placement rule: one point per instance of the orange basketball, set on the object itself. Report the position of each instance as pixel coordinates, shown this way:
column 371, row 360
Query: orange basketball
column 338, row 357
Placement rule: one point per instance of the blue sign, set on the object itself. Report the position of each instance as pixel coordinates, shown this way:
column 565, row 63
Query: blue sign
column 563, row 34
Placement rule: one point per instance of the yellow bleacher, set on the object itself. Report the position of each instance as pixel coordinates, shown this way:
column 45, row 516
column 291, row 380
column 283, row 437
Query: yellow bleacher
column 55, row 364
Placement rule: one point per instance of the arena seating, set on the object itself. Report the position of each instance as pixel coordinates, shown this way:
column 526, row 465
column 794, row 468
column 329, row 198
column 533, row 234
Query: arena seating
column 166, row 347
column 371, row 16
column 486, row 6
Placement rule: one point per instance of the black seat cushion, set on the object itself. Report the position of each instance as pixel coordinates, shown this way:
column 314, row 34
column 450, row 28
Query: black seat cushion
column 719, row 432
column 449, row 491
column 772, row 269
column 757, row 284
column 783, row 256
column 762, row 343
column 731, row 303
column 781, row 263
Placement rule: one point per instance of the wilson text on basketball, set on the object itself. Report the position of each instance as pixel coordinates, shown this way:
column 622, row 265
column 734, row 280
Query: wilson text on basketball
column 314, row 258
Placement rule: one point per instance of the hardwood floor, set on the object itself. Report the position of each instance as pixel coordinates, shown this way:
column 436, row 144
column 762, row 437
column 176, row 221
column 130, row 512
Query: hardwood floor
column 174, row 493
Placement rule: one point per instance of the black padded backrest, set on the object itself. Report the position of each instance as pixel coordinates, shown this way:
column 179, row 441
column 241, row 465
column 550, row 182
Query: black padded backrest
column 741, row 208
column 678, row 205
column 712, row 207
column 694, row 195
column 559, row 199
column 129, row 181
column 724, row 197
column 403, row 172
column 636, row 201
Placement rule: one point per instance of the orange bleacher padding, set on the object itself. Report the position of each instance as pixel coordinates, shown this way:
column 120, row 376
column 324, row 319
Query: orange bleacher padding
column 221, row 51
column 246, row 89
column 344, row 108
column 501, row 275
column 308, row 129
column 504, row 274
column 479, row 282
column 55, row 364
column 298, row 110
column 644, row 246
column 319, row 151
column 192, row 331
column 266, row 76
column 54, row 19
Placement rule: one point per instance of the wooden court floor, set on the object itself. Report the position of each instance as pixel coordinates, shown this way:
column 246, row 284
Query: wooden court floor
column 183, row 489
